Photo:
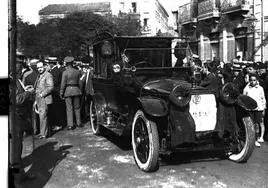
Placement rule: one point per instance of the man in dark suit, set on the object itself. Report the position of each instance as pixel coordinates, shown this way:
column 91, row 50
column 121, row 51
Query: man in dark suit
column 70, row 91
column 44, row 86
column 29, row 78
column 87, row 90
column 56, row 111
column 211, row 80
column 23, row 96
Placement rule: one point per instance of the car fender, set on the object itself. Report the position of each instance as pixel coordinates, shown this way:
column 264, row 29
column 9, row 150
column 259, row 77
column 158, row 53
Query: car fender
column 101, row 105
column 154, row 106
column 246, row 102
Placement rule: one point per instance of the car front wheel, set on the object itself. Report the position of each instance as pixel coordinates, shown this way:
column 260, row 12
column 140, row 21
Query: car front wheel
column 145, row 142
column 95, row 126
column 245, row 139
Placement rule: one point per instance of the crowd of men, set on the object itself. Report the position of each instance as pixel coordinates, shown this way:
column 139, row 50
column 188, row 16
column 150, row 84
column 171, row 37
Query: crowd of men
column 251, row 79
column 50, row 96
column 61, row 89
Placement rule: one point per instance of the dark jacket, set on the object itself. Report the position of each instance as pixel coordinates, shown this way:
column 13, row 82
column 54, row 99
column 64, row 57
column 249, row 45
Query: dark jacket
column 30, row 77
column 23, row 104
column 212, row 82
column 87, row 87
column 227, row 73
column 70, row 83
column 57, row 74
column 240, row 82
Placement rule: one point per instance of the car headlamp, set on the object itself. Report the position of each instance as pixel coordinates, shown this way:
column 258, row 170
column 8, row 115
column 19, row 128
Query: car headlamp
column 116, row 68
column 229, row 93
column 181, row 95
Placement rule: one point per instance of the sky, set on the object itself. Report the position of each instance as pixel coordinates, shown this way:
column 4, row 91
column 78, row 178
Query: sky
column 28, row 9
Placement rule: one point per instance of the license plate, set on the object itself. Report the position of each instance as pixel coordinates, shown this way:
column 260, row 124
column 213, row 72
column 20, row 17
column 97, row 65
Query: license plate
column 204, row 112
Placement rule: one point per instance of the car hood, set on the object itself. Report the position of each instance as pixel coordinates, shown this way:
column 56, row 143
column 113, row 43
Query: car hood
column 163, row 86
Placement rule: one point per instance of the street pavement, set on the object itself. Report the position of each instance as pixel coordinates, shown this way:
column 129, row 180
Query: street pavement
column 79, row 159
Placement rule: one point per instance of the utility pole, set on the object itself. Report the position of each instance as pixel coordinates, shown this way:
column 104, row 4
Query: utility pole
column 12, row 41
column 262, row 31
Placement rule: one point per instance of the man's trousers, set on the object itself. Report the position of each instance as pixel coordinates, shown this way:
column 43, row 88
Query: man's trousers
column 73, row 107
column 43, row 111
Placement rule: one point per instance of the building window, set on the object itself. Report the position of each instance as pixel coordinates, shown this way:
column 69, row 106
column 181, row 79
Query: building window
column 145, row 22
column 241, row 47
column 122, row 6
column 214, row 50
column 134, row 7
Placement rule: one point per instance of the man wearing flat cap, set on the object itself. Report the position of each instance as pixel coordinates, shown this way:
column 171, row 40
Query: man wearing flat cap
column 70, row 90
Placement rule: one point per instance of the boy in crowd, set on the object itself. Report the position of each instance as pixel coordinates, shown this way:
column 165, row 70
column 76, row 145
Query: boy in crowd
column 255, row 91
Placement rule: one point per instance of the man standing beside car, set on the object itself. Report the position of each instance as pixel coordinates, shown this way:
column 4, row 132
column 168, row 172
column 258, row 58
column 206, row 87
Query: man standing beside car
column 87, row 90
column 70, row 91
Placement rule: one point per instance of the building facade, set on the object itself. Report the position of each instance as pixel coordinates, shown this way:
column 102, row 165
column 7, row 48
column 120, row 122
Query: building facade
column 152, row 15
column 61, row 10
column 224, row 29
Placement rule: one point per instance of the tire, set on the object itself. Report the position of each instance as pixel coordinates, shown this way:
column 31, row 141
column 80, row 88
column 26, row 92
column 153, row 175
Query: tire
column 95, row 126
column 246, row 141
column 145, row 143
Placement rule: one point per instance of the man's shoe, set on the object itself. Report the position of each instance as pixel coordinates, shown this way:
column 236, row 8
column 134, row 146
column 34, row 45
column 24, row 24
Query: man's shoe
column 42, row 136
column 57, row 128
column 69, row 128
column 260, row 140
column 27, row 177
column 257, row 144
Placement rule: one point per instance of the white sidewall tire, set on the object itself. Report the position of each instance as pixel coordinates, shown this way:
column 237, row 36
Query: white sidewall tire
column 95, row 129
column 249, row 145
column 152, row 163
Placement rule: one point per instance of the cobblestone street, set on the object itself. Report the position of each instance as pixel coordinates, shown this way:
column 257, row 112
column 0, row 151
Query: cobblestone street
column 77, row 159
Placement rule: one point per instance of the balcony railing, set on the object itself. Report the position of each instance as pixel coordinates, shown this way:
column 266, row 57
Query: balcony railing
column 208, row 9
column 187, row 13
column 231, row 6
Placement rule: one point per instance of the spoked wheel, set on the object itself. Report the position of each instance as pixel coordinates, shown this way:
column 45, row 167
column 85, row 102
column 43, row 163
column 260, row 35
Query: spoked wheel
column 245, row 139
column 145, row 143
column 95, row 126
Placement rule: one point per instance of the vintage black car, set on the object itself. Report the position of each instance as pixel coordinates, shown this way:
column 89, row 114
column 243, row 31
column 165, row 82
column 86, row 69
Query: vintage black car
column 138, row 92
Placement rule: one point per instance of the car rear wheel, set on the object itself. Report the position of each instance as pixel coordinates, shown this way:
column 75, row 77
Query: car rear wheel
column 95, row 126
column 245, row 139
column 145, row 142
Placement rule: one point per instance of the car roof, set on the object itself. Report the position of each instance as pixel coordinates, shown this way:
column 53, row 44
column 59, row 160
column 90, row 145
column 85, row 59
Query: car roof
column 136, row 41
column 146, row 37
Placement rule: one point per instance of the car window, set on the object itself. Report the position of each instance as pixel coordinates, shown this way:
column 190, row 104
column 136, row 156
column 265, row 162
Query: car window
column 100, row 64
column 146, row 57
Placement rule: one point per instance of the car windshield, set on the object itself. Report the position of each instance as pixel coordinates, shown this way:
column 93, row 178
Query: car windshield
column 148, row 57
column 146, row 52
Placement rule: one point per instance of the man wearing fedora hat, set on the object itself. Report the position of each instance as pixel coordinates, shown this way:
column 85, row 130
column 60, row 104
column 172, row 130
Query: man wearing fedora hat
column 70, row 90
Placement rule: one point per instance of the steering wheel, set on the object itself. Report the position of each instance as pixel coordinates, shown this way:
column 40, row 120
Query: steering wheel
column 142, row 63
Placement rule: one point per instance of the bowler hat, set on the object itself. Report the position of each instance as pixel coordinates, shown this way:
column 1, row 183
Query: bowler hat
column 68, row 59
